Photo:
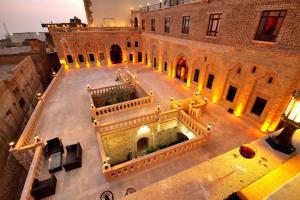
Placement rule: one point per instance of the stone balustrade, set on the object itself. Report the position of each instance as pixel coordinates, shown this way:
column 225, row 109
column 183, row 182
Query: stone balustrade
column 130, row 81
column 202, row 135
column 34, row 172
column 137, row 121
column 152, row 158
column 192, row 124
column 97, row 113
column 103, row 90
column 66, row 29
column 27, row 136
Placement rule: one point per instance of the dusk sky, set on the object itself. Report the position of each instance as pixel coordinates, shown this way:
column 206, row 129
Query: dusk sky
column 27, row 15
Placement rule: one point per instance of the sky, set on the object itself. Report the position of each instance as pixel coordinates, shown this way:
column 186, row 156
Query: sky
column 27, row 15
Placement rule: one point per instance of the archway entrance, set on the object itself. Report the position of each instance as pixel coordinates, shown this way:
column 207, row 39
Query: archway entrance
column 142, row 144
column 140, row 57
column 182, row 69
column 115, row 54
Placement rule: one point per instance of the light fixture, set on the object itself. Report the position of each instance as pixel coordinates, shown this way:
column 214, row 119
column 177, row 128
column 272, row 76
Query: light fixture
column 208, row 127
column 172, row 98
column 158, row 107
column 197, row 93
column 206, row 99
column 151, row 92
column 291, row 120
column 12, row 144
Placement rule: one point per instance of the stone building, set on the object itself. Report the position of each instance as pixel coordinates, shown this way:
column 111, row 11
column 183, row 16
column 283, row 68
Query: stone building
column 235, row 53
column 34, row 48
column 19, row 86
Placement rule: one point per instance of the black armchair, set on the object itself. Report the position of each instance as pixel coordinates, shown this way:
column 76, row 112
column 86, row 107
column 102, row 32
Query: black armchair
column 53, row 146
column 45, row 188
column 74, row 157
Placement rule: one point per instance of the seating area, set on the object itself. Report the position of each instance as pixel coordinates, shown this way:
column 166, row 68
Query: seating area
column 74, row 157
column 44, row 188
column 54, row 150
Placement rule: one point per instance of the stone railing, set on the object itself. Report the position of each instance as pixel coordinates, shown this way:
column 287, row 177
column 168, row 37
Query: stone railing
column 99, row 91
column 202, row 135
column 152, row 158
column 34, row 172
column 137, row 121
column 27, row 136
column 99, row 112
column 93, row 29
column 168, row 115
column 192, row 124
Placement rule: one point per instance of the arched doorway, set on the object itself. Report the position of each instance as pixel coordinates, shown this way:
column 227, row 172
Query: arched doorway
column 182, row 69
column 115, row 54
column 142, row 144
column 140, row 57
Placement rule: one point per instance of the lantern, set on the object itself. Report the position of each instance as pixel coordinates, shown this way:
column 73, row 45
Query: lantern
column 291, row 120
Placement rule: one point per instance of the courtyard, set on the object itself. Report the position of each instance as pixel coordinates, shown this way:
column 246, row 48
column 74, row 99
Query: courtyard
column 67, row 116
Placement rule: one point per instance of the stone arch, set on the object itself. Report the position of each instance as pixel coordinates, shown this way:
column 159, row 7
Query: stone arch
column 143, row 132
column 142, row 144
column 116, row 54
column 182, row 69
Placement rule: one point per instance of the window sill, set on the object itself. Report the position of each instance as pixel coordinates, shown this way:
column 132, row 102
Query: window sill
column 263, row 43
column 211, row 37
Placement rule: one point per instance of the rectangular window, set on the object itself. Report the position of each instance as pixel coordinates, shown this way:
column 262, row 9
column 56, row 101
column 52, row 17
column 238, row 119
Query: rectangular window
column 165, row 66
column 167, row 24
column 269, row 25
column 22, row 102
column 213, row 25
column 102, row 57
column 231, row 93
column 258, row 106
column 136, row 43
column 186, row 24
column 81, row 58
column 143, row 24
column 196, row 75
column 135, row 22
column 69, row 59
column 91, row 57
column 210, row 81
column 130, row 57
column 128, row 44
column 152, row 24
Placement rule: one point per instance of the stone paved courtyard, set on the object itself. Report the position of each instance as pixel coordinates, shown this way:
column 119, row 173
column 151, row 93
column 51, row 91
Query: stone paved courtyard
column 67, row 116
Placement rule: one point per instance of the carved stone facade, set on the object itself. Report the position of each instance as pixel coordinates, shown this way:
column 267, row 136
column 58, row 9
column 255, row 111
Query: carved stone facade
column 228, row 61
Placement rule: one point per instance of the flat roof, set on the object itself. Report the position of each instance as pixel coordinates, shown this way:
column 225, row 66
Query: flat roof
column 15, row 50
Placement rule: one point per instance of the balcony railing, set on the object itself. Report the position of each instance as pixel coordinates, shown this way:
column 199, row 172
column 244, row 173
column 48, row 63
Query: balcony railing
column 168, row 4
column 92, row 29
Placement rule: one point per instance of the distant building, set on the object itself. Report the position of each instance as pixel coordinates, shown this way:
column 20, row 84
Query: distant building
column 105, row 13
column 19, row 38
column 74, row 22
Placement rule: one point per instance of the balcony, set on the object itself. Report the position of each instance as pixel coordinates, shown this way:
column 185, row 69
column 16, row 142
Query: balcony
column 168, row 4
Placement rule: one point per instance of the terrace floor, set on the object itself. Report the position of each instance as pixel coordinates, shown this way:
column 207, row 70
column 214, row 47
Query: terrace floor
column 67, row 116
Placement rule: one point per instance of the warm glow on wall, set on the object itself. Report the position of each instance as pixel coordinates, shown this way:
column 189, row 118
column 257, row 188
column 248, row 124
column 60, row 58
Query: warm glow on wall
column 159, row 67
column 98, row 63
column 88, row 65
column 66, row 67
column 265, row 126
column 109, row 62
column 238, row 110
column 215, row 96
column 149, row 64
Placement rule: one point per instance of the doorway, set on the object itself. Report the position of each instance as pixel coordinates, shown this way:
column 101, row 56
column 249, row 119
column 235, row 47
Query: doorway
column 140, row 57
column 182, row 69
column 142, row 144
column 116, row 54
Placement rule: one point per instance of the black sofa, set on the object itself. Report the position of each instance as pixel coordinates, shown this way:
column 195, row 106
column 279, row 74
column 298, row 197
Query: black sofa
column 74, row 157
column 45, row 188
column 53, row 146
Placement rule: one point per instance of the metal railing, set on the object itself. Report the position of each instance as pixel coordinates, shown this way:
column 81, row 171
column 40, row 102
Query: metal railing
column 167, row 4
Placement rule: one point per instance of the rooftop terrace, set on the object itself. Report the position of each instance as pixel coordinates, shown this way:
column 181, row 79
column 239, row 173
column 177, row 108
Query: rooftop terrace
column 66, row 115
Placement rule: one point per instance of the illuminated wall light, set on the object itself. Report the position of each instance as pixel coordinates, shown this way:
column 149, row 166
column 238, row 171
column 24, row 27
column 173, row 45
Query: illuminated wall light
column 238, row 110
column 265, row 126
column 109, row 62
column 160, row 67
column 66, row 67
column 98, row 63
column 88, row 65
column 77, row 65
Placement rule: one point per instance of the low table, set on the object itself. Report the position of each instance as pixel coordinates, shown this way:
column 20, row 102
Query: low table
column 55, row 162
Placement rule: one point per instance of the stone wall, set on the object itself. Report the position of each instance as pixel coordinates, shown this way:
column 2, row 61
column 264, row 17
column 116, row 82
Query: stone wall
column 94, row 42
column 269, row 70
